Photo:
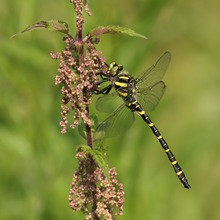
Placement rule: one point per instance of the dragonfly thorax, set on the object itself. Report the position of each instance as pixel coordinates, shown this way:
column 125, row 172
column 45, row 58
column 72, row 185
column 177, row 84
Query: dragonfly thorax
column 126, row 86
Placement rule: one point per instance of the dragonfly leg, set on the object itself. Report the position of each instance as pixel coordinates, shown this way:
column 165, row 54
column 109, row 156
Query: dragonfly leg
column 104, row 91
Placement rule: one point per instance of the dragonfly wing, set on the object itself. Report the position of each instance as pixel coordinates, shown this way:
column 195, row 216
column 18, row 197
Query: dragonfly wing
column 115, row 124
column 155, row 73
column 108, row 103
column 150, row 97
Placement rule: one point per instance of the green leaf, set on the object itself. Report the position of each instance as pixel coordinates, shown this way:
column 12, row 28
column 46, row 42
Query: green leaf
column 114, row 30
column 83, row 148
column 82, row 128
column 95, row 119
column 97, row 155
column 51, row 25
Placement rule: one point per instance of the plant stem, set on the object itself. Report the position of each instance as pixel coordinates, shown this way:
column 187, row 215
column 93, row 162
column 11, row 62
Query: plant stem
column 81, row 58
column 88, row 131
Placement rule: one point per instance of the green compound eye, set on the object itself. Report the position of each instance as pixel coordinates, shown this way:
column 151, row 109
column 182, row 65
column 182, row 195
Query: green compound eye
column 114, row 69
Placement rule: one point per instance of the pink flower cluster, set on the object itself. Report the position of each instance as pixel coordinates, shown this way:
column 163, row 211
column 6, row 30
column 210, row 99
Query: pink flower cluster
column 77, row 80
column 93, row 193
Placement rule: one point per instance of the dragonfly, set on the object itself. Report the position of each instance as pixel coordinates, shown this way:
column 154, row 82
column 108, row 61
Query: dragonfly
column 137, row 95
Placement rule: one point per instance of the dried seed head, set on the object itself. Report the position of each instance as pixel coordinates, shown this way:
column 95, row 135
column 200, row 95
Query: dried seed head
column 93, row 193
column 77, row 80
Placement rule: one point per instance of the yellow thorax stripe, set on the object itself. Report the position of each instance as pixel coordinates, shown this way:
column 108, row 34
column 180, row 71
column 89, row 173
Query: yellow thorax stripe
column 121, row 84
column 124, row 77
column 124, row 94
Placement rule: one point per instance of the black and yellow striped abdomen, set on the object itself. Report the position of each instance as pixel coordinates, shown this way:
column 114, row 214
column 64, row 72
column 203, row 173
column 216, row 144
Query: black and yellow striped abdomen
column 136, row 107
column 125, row 86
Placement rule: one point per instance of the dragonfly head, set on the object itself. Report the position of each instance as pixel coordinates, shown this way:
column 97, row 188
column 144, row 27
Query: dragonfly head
column 114, row 69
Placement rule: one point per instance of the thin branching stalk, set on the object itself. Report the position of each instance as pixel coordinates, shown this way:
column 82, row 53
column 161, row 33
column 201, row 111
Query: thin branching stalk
column 95, row 193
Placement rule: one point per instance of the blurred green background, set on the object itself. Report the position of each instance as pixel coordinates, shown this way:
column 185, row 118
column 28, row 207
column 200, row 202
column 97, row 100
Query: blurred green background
column 37, row 162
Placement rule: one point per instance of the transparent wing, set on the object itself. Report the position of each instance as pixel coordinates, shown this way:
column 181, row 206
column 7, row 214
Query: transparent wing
column 108, row 103
column 115, row 124
column 155, row 73
column 150, row 85
column 150, row 96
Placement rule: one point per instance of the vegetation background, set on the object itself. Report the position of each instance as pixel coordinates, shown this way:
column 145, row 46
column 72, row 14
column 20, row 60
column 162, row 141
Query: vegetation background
column 37, row 162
